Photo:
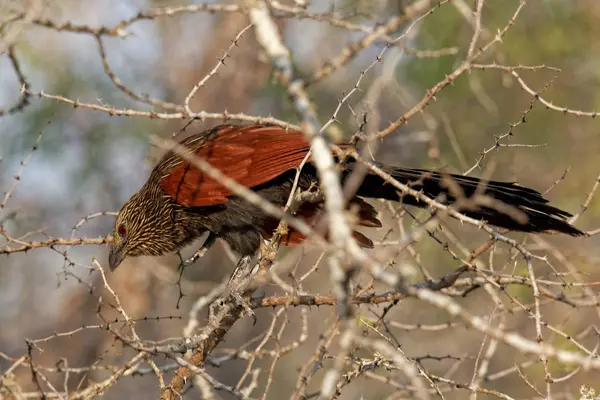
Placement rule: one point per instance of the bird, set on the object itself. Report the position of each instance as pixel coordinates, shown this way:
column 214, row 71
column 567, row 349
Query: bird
column 179, row 203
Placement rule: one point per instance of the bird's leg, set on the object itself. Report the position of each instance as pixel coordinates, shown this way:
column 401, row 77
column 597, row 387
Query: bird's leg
column 210, row 240
column 239, row 278
column 201, row 252
column 243, row 269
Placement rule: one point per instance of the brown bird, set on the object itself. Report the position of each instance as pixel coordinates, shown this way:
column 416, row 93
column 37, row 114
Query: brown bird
column 179, row 203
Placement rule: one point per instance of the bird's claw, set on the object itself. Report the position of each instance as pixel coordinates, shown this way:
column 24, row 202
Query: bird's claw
column 239, row 279
column 201, row 252
column 241, row 302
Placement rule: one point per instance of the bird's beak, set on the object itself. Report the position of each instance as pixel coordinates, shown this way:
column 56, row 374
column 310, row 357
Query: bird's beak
column 115, row 257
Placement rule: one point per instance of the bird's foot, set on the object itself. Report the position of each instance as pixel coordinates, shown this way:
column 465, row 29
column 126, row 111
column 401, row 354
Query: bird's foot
column 238, row 281
column 242, row 273
column 239, row 301
column 201, row 252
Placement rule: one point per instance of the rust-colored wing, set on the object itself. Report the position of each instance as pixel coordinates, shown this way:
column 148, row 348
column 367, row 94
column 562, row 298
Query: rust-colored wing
column 251, row 155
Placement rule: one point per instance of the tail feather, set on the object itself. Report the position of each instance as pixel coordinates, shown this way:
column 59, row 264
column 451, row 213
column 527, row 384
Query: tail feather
column 540, row 216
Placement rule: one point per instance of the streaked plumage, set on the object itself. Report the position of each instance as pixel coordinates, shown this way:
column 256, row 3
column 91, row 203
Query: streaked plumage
column 179, row 203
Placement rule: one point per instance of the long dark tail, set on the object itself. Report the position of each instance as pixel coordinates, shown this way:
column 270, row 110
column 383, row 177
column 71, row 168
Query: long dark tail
column 535, row 215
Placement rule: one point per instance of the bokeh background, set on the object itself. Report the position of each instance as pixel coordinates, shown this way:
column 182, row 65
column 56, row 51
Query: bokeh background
column 89, row 162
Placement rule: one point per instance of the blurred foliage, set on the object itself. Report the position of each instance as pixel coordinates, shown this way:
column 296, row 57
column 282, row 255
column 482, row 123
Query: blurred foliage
column 554, row 33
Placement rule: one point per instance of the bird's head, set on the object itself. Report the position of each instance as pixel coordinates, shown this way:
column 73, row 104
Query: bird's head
column 143, row 228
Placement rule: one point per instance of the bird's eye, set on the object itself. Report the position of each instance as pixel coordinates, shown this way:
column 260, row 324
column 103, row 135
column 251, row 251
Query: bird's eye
column 121, row 230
